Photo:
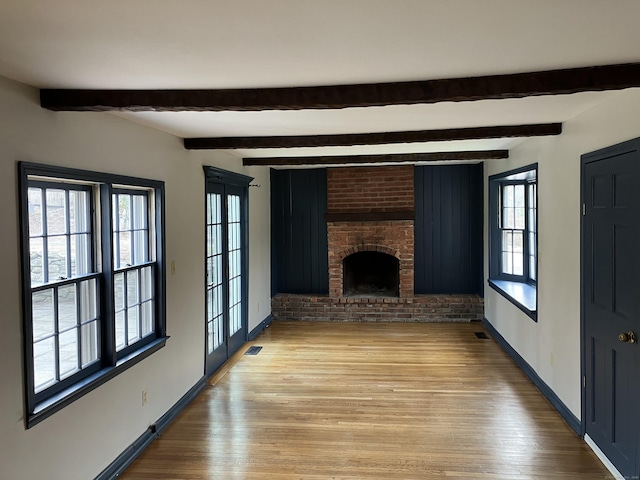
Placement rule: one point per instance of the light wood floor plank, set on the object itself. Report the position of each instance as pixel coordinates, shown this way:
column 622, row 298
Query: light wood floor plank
column 370, row 401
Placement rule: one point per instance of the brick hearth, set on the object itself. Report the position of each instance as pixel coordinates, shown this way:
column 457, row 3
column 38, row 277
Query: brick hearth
column 420, row 308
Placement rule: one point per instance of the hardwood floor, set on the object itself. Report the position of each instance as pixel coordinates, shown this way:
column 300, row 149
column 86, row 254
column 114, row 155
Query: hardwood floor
column 370, row 401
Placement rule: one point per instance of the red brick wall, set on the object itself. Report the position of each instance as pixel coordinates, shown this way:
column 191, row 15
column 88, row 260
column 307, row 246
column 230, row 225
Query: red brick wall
column 370, row 189
column 394, row 237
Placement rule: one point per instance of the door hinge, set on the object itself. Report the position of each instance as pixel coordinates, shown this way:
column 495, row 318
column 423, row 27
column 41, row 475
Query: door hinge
column 584, row 381
column 584, row 209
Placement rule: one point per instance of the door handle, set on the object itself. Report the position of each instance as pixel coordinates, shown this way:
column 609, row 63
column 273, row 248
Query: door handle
column 628, row 337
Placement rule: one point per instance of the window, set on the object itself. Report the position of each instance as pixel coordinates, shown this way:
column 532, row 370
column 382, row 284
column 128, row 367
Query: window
column 93, row 280
column 513, row 261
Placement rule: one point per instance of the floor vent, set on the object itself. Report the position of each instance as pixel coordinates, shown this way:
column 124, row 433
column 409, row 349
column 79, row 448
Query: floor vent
column 253, row 350
column 482, row 335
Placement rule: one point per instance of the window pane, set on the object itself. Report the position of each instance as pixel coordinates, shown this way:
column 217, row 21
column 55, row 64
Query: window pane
column 519, row 217
column 79, row 211
column 67, row 307
column 518, row 264
column 88, row 301
column 125, row 249
column 120, row 331
column 57, row 258
column 507, row 267
column 124, row 212
column 147, row 318
column 146, row 282
column 36, row 252
column 44, row 363
column 532, row 268
column 518, row 242
column 34, row 196
column 507, row 196
column 509, row 218
column 507, row 241
column 132, row 288
column 519, row 195
column 80, row 254
column 56, row 212
column 139, row 211
column 133, row 330
column 68, row 353
column 140, row 247
column 43, row 314
column 89, row 353
column 118, row 291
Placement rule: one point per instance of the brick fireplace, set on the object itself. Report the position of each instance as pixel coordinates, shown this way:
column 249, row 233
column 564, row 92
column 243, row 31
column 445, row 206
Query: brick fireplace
column 372, row 209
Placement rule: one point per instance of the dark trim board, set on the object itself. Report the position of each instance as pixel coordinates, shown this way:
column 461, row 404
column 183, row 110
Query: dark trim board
column 127, row 457
column 383, row 158
column 378, row 138
column 260, row 328
column 515, row 85
column 550, row 395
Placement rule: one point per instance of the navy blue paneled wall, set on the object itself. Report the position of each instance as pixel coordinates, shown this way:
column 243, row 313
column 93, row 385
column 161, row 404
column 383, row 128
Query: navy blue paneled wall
column 448, row 229
column 299, row 252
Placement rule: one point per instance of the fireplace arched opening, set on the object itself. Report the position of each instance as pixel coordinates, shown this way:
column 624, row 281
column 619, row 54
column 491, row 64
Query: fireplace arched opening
column 371, row 274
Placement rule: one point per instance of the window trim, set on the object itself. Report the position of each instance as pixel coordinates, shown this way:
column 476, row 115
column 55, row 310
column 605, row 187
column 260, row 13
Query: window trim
column 520, row 290
column 37, row 406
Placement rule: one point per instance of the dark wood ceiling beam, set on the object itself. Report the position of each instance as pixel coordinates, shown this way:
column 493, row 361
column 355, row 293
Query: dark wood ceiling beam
column 382, row 138
column 383, row 158
column 519, row 85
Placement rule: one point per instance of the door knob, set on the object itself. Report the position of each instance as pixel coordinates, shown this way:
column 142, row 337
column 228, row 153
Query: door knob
column 628, row 337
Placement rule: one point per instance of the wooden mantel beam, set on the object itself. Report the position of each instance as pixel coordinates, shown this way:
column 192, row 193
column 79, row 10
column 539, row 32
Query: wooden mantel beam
column 518, row 85
column 382, row 138
column 383, row 158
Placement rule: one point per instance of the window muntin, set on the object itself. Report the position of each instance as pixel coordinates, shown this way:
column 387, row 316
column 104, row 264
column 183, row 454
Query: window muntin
column 69, row 272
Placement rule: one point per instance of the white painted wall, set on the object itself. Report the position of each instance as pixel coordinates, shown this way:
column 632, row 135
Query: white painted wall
column 82, row 439
column 557, row 332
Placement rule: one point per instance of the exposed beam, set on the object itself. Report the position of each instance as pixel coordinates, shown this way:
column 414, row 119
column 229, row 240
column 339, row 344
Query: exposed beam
column 518, row 85
column 383, row 158
column 474, row 133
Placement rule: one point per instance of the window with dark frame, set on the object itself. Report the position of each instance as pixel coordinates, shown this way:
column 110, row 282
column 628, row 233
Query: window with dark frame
column 513, row 258
column 93, row 280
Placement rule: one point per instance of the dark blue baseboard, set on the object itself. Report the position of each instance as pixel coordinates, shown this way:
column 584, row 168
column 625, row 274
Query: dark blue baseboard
column 562, row 409
column 261, row 326
column 127, row 457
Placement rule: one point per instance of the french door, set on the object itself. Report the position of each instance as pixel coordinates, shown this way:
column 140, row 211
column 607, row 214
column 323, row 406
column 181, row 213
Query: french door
column 226, row 269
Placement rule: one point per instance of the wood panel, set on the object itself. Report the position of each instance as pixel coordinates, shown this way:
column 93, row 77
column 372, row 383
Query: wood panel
column 519, row 85
column 379, row 138
column 299, row 252
column 370, row 401
column 448, row 229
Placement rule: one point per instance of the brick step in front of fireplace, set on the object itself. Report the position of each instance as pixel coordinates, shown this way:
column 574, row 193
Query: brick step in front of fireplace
column 419, row 308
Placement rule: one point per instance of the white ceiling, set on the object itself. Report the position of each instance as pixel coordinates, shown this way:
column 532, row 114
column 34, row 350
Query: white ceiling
column 142, row 44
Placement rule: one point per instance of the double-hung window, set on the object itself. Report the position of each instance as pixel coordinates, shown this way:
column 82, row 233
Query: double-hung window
column 93, row 280
column 513, row 261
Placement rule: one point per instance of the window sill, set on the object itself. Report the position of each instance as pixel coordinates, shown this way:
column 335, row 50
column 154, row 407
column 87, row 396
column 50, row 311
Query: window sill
column 522, row 295
column 57, row 402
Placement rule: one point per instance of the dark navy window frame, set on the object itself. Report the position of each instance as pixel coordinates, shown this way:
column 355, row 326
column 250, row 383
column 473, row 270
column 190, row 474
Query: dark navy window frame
column 520, row 290
column 111, row 363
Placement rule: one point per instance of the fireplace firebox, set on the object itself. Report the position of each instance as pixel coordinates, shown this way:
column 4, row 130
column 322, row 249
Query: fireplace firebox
column 371, row 274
